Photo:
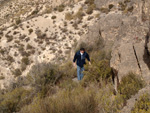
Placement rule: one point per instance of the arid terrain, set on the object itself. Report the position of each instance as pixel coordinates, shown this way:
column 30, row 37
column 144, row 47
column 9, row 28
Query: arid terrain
column 38, row 39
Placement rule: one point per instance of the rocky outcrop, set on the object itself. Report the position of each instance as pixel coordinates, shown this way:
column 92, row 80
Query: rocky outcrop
column 125, row 34
column 131, row 102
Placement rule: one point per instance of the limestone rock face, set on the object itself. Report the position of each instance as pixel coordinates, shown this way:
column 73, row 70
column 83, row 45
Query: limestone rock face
column 126, row 36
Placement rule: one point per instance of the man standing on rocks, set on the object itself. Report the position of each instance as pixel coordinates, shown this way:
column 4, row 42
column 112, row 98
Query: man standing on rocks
column 79, row 58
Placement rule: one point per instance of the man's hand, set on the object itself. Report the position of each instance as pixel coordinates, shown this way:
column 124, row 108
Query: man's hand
column 74, row 64
column 89, row 63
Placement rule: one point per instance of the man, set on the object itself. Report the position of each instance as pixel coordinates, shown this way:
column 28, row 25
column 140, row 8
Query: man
column 80, row 56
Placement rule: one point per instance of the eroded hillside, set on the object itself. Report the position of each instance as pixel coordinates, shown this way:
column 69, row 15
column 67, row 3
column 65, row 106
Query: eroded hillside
column 115, row 33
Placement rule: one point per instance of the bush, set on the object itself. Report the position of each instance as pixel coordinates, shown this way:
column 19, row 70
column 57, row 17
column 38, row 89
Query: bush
column 17, row 72
column 25, row 60
column 89, row 2
column 142, row 105
column 53, row 17
column 130, row 85
column 2, row 77
column 61, row 8
column 111, row 6
column 97, row 72
column 90, row 9
column 77, row 101
column 14, row 101
column 29, row 46
column 43, row 75
column 104, row 10
column 68, row 16
column 30, row 31
column 107, row 101
column 18, row 21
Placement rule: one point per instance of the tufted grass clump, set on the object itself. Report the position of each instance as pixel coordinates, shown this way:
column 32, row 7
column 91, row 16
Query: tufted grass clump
column 90, row 9
column 30, row 31
column 14, row 100
column 53, row 17
column 99, row 71
column 68, row 16
column 130, row 85
column 142, row 105
column 105, row 10
column 60, row 8
column 17, row 72
column 18, row 21
column 78, row 100
column 90, row 2
column 2, row 77
column 25, row 60
column 43, row 76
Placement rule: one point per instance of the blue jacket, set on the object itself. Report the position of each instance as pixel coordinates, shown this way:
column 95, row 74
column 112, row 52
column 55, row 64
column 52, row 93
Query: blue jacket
column 80, row 62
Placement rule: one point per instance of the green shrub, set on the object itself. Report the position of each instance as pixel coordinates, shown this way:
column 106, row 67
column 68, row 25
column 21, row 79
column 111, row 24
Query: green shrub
column 2, row 77
column 90, row 2
column 53, row 17
column 130, row 85
column 97, row 72
column 68, row 16
column 17, row 72
column 42, row 76
column 104, row 10
column 10, row 59
column 29, row 46
column 111, row 6
column 77, row 101
column 142, row 105
column 30, row 31
column 68, row 70
column 14, row 101
column 122, row 6
column 48, row 10
column 107, row 101
column 25, row 60
column 18, row 21
column 61, row 8
column 90, row 9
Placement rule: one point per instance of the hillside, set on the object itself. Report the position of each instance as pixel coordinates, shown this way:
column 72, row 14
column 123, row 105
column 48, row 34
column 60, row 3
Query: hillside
column 39, row 38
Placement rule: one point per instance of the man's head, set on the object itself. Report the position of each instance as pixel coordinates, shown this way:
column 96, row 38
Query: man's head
column 82, row 50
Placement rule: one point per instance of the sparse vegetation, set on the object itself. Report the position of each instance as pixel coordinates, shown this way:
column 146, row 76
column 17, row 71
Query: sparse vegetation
column 18, row 21
column 30, row 31
column 68, row 16
column 54, row 17
column 2, row 77
column 142, row 105
column 29, row 46
column 25, row 60
column 104, row 10
column 130, row 85
column 60, row 8
column 17, row 72
column 90, row 9
column 35, row 12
